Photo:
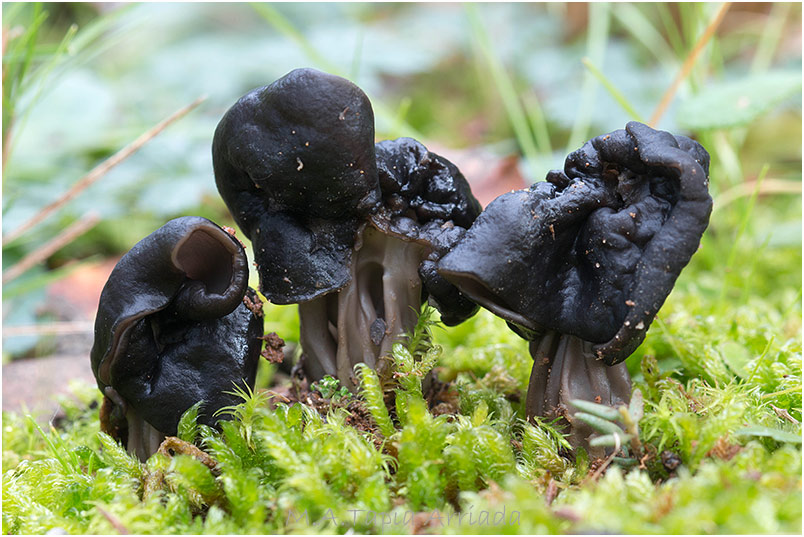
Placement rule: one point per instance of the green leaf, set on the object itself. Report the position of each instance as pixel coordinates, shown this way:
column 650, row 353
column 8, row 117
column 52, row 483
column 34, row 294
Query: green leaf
column 601, row 411
column 598, row 424
column 480, row 414
column 777, row 434
column 739, row 102
column 188, row 423
column 294, row 416
column 192, row 474
column 785, row 234
column 623, row 462
column 371, row 391
column 117, row 457
column 636, row 409
column 35, row 279
column 540, row 449
column 735, row 355
column 610, row 440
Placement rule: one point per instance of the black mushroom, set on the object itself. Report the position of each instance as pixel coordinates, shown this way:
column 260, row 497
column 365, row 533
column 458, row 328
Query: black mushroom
column 347, row 230
column 579, row 265
column 176, row 324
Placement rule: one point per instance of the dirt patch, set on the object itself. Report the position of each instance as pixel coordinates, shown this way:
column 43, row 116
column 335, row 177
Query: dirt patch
column 32, row 385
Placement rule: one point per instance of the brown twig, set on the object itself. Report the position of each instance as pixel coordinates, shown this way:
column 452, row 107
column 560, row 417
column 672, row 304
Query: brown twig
column 278, row 396
column 57, row 328
column 785, row 415
column 689, row 62
column 607, row 462
column 113, row 520
column 75, row 230
column 179, row 446
column 768, row 186
column 551, row 492
column 101, row 169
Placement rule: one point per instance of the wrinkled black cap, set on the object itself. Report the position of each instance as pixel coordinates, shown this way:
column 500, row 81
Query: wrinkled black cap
column 171, row 327
column 294, row 162
column 421, row 186
column 594, row 251
column 425, row 198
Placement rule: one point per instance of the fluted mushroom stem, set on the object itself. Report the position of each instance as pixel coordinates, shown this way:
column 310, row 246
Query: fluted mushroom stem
column 362, row 321
column 143, row 438
column 565, row 368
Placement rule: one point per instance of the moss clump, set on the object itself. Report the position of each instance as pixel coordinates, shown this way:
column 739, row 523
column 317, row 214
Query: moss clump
column 456, row 458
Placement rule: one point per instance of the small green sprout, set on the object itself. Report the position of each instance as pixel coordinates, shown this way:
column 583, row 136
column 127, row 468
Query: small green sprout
column 618, row 427
column 330, row 388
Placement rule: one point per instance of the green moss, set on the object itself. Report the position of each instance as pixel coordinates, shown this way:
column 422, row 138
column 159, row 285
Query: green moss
column 288, row 468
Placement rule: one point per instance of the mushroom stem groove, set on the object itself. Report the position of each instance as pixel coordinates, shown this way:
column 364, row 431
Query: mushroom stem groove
column 361, row 322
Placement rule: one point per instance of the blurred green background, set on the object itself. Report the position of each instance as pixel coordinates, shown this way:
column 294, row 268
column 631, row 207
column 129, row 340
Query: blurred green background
column 504, row 90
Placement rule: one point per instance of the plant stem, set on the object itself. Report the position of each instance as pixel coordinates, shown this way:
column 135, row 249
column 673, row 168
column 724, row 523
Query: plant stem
column 688, row 64
column 100, row 170
column 276, row 19
column 75, row 230
column 596, row 39
column 746, row 217
column 615, row 93
column 774, row 394
column 505, row 89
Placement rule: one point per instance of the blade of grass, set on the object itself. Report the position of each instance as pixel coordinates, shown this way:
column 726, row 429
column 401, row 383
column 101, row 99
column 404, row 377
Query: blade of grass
column 689, row 63
column 17, row 60
column 10, row 14
column 746, row 217
column 273, row 17
column 56, row 452
column 354, row 71
column 771, row 36
column 747, row 188
column 760, row 359
column 729, row 158
column 670, row 28
column 642, row 29
column 774, row 394
column 538, row 122
column 25, row 48
column 41, row 76
column 101, row 170
column 73, row 48
column 613, row 91
column 748, row 279
column 284, row 26
column 505, row 89
column 596, row 38
column 714, row 64
column 763, row 57
column 689, row 22
column 401, row 112
column 671, row 340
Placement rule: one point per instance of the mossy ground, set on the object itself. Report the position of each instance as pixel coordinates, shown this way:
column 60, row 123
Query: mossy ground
column 720, row 435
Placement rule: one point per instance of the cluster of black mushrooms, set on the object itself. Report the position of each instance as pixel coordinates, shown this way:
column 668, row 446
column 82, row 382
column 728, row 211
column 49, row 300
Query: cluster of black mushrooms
column 360, row 235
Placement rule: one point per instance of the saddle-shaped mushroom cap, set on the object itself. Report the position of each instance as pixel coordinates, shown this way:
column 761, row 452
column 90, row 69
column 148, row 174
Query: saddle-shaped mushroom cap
column 428, row 200
column 580, row 265
column 348, row 230
column 172, row 329
column 596, row 249
column 294, row 162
